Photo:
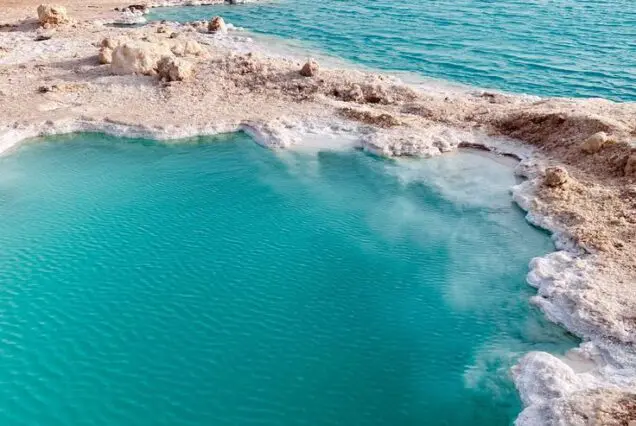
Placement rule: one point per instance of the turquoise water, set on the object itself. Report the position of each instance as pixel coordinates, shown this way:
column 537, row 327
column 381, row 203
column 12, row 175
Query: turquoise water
column 218, row 283
column 574, row 48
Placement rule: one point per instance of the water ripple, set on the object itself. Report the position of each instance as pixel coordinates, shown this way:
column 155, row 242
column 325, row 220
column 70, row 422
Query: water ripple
column 543, row 47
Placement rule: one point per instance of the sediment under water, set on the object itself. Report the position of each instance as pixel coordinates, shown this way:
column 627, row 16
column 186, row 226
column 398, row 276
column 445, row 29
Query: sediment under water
column 217, row 282
column 566, row 48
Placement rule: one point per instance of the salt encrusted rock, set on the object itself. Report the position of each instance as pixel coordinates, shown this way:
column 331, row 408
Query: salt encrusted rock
column 52, row 15
column 174, row 69
column 188, row 48
column 381, row 120
column 377, row 95
column 107, row 46
column 138, row 58
column 110, row 43
column 630, row 166
column 217, row 25
column 141, row 8
column 310, row 68
column 353, row 93
column 591, row 407
column 556, row 177
column 594, row 143
column 105, row 55
column 540, row 377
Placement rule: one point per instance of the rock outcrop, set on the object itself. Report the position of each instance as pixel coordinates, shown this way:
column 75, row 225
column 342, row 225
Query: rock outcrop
column 174, row 69
column 51, row 15
column 310, row 68
column 217, row 25
column 594, row 143
column 556, row 177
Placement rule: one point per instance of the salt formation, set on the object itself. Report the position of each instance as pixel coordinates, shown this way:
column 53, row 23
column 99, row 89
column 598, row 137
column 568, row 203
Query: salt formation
column 217, row 25
column 52, row 15
column 556, row 177
column 174, row 69
column 594, row 143
column 138, row 58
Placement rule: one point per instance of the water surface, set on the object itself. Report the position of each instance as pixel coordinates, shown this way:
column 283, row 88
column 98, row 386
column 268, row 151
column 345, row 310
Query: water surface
column 216, row 282
column 567, row 48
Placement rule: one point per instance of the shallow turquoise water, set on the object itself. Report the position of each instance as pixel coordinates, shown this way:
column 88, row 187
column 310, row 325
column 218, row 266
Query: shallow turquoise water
column 543, row 47
column 222, row 283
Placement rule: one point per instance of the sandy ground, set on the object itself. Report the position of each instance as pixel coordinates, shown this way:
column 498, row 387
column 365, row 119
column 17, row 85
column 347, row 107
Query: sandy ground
column 58, row 85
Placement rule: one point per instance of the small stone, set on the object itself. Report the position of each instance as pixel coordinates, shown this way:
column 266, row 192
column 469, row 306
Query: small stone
column 310, row 68
column 162, row 29
column 594, row 143
column 217, row 25
column 44, row 89
column 174, row 35
column 556, row 177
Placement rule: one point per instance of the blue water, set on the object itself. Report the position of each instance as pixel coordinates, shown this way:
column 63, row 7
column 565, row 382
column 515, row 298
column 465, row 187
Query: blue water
column 573, row 48
column 218, row 283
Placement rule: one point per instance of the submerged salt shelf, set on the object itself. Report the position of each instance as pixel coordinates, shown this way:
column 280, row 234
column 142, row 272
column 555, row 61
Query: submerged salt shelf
column 223, row 283
column 549, row 48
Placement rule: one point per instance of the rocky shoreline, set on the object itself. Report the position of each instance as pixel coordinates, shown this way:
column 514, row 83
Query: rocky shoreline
column 77, row 72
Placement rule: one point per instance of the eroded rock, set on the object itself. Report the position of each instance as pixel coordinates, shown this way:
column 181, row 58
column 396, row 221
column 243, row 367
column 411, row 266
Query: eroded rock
column 556, row 177
column 188, row 48
column 137, row 58
column 52, row 15
column 310, row 68
column 353, row 93
column 174, row 69
column 107, row 46
column 217, row 25
column 594, row 143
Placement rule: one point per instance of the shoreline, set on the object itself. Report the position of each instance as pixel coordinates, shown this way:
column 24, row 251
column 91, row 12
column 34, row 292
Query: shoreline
column 579, row 286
